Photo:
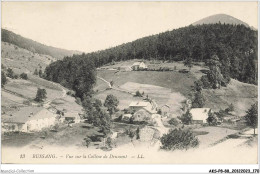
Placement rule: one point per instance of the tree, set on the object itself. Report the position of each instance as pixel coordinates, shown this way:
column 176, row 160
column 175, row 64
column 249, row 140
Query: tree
column 111, row 83
column 138, row 133
column 198, row 101
column 35, row 72
column 179, row 139
column 96, row 115
column 188, row 62
column 111, row 103
column 3, row 79
column 230, row 108
column 40, row 73
column 41, row 95
column 10, row 73
column 214, row 75
column 138, row 94
column 212, row 120
column 24, row 76
column 131, row 134
column 186, row 118
column 251, row 116
column 87, row 141
column 109, row 142
column 173, row 121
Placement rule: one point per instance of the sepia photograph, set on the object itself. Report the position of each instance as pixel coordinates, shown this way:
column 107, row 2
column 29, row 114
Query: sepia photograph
column 129, row 83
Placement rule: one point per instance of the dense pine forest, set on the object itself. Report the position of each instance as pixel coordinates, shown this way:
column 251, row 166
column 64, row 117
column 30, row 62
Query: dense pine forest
column 235, row 47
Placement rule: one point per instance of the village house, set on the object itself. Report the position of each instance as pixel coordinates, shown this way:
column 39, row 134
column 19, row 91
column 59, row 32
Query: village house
column 139, row 66
column 200, row 115
column 150, row 107
column 72, row 117
column 28, row 119
column 126, row 117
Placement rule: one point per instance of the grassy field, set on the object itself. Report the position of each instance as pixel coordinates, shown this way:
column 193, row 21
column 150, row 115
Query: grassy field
column 177, row 82
column 21, row 60
column 28, row 89
column 241, row 95
column 211, row 135
column 161, row 95
column 124, row 98
column 67, row 103
column 156, row 64
column 100, row 85
column 65, row 136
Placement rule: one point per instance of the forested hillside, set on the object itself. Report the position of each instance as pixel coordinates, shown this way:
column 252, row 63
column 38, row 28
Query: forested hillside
column 77, row 73
column 35, row 47
column 234, row 46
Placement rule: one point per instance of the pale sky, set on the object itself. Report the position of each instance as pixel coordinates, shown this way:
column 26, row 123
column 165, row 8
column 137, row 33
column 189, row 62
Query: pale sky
column 92, row 26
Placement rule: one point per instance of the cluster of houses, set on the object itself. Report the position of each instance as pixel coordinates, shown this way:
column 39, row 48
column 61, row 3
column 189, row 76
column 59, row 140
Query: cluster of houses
column 34, row 118
column 147, row 110
column 143, row 110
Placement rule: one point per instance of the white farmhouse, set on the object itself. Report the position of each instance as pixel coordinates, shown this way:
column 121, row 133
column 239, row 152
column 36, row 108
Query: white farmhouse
column 139, row 66
column 200, row 115
column 28, row 119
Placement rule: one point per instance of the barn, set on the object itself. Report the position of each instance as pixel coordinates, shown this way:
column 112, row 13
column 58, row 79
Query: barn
column 28, row 119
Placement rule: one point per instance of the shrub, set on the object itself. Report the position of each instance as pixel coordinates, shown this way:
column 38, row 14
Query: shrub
column 78, row 100
column 87, row 141
column 173, row 121
column 138, row 94
column 138, row 133
column 212, row 120
column 159, row 112
column 3, row 79
column 186, row 118
column 131, row 134
column 230, row 108
column 179, row 139
column 26, row 102
column 220, row 114
column 41, row 95
column 205, row 82
column 109, row 142
column 10, row 73
column 24, row 76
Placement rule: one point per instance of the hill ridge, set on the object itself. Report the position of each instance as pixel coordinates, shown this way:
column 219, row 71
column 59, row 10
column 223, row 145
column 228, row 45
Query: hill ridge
column 222, row 18
column 34, row 46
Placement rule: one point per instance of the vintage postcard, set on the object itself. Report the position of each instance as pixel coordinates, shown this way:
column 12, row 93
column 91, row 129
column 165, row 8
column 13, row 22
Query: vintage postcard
column 129, row 83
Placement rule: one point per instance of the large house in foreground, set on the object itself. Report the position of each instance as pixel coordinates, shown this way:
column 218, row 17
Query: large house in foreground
column 200, row 115
column 28, row 119
column 139, row 66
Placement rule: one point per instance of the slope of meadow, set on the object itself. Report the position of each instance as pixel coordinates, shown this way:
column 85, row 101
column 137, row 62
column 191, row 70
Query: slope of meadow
column 241, row 95
column 22, row 60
